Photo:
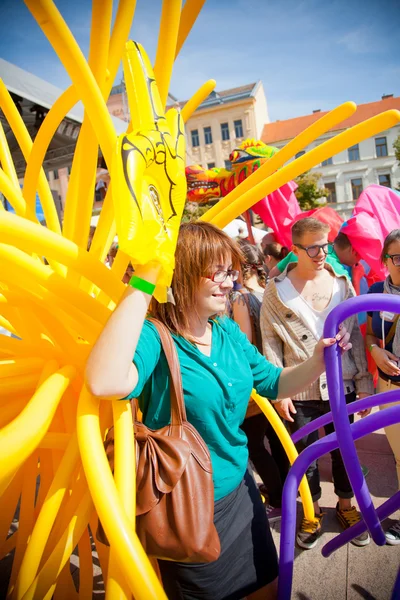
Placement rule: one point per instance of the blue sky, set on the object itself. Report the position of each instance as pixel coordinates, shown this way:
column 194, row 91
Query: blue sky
column 309, row 54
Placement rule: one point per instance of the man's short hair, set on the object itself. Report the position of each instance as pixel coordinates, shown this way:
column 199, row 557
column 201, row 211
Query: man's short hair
column 342, row 241
column 308, row 225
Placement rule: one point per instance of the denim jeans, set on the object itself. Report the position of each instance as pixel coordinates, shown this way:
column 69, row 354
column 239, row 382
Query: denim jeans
column 308, row 411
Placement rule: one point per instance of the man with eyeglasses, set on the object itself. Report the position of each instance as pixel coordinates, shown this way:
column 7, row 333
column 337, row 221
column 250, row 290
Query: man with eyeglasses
column 293, row 313
column 342, row 257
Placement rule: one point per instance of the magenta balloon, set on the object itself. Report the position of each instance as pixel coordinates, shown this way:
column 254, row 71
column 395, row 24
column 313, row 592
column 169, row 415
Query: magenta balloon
column 326, row 444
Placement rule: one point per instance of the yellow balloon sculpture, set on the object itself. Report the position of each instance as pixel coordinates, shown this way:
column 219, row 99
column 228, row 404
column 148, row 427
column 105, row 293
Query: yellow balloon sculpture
column 51, row 428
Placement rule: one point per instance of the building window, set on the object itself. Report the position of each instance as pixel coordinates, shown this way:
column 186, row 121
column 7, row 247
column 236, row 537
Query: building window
column 55, row 174
column 195, row 138
column 238, row 128
column 327, row 162
column 300, row 153
column 225, row 131
column 331, row 192
column 381, row 146
column 228, row 165
column 207, row 135
column 354, row 152
column 384, row 180
column 210, row 165
column 356, row 187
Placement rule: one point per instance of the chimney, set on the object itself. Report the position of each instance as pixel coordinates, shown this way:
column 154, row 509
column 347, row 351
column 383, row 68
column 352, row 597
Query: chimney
column 386, row 96
column 316, row 110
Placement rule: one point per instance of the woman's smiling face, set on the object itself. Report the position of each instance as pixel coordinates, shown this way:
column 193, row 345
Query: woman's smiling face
column 212, row 295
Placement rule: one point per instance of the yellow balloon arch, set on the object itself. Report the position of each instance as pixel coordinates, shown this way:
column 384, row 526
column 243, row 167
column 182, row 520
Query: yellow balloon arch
column 51, row 428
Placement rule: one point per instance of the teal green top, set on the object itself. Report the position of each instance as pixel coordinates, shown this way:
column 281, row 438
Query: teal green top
column 216, row 392
column 331, row 259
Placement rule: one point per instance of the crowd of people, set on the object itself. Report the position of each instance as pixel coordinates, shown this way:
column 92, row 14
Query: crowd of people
column 242, row 317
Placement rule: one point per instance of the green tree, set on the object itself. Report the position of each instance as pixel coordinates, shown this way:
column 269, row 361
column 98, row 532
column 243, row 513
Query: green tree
column 396, row 146
column 194, row 211
column 309, row 193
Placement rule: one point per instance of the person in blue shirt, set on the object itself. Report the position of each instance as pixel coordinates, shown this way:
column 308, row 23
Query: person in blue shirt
column 383, row 340
column 219, row 368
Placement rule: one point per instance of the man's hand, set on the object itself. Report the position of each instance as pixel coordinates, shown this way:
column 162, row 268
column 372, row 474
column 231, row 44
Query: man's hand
column 363, row 413
column 284, row 408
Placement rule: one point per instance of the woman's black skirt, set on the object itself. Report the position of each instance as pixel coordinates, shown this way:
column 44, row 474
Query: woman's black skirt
column 248, row 559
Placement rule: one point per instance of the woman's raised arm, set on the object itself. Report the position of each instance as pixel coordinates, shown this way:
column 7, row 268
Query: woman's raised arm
column 110, row 372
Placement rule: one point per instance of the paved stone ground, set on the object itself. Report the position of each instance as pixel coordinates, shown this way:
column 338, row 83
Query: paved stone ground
column 351, row 573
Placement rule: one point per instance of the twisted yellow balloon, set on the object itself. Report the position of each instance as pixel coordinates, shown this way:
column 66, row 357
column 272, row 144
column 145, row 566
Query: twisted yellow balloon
column 53, row 428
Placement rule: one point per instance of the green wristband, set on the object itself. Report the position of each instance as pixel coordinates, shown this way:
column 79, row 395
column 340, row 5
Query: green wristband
column 141, row 284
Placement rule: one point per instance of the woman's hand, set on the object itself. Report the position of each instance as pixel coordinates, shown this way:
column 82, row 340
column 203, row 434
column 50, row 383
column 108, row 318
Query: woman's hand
column 284, row 408
column 342, row 338
column 366, row 411
column 385, row 361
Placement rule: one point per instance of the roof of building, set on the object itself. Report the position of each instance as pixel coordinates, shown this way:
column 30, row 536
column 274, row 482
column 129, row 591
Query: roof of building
column 41, row 92
column 290, row 128
column 227, row 96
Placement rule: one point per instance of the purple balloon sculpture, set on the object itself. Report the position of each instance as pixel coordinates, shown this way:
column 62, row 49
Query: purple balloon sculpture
column 344, row 437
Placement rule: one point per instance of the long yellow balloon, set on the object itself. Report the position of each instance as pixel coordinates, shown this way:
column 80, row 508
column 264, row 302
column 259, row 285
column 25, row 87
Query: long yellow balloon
column 133, row 560
column 80, row 193
column 46, row 518
column 6, row 160
column 166, row 48
column 15, row 197
column 25, row 143
column 324, row 124
column 22, row 436
column 44, row 584
column 333, row 146
column 30, row 237
column 63, row 42
column 190, row 12
column 125, row 481
column 19, row 366
column 290, row 450
column 48, row 128
column 201, row 94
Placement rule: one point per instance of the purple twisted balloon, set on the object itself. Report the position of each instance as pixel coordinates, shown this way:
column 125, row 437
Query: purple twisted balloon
column 387, row 302
column 342, row 438
column 368, row 425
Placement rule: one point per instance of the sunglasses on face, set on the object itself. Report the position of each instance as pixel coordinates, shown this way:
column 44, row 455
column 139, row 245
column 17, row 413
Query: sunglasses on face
column 220, row 276
column 395, row 258
column 313, row 251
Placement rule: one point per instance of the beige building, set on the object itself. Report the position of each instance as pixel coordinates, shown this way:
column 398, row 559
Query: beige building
column 222, row 122
column 348, row 173
column 218, row 126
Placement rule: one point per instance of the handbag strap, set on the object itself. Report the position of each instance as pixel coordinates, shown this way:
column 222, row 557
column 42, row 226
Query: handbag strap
column 178, row 410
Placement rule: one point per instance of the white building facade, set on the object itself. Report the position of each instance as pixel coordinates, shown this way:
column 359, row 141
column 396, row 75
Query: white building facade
column 348, row 173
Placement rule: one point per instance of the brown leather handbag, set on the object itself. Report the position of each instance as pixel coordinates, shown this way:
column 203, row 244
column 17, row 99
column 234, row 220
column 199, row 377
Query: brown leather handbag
column 174, row 487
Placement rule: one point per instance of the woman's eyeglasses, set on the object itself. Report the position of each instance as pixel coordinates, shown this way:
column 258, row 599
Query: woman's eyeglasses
column 313, row 251
column 395, row 259
column 220, row 276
